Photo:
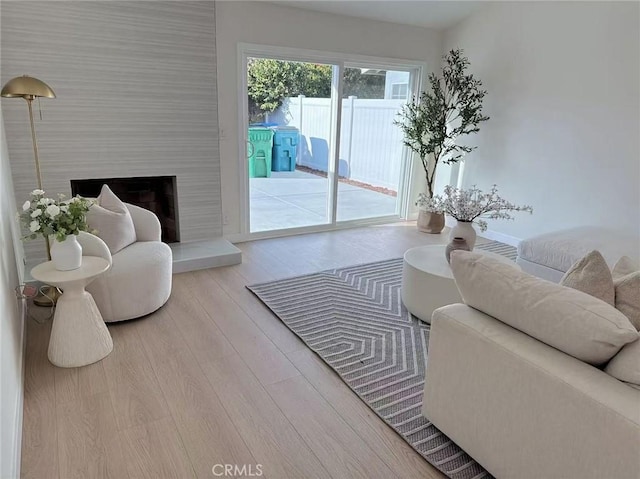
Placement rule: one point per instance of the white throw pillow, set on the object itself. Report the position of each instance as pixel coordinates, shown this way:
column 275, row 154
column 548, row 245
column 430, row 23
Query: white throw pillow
column 625, row 365
column 112, row 220
column 567, row 319
column 626, row 282
column 591, row 275
column 624, row 266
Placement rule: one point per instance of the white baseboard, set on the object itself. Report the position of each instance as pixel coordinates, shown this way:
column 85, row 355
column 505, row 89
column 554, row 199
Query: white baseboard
column 501, row 237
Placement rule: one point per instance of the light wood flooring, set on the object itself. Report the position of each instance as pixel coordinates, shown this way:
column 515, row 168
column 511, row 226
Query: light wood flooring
column 215, row 378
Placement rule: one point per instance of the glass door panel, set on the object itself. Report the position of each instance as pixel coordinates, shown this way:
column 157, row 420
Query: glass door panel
column 371, row 149
column 289, row 153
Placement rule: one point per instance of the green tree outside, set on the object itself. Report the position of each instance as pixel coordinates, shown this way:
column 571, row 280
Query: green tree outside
column 269, row 82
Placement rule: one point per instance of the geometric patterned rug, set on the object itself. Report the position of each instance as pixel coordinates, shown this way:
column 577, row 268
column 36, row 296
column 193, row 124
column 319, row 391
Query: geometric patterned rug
column 354, row 319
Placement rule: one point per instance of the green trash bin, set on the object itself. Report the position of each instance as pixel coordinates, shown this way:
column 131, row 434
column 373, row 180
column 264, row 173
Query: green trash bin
column 260, row 152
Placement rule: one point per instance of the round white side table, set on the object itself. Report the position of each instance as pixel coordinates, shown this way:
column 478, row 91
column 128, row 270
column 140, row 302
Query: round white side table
column 78, row 335
column 427, row 280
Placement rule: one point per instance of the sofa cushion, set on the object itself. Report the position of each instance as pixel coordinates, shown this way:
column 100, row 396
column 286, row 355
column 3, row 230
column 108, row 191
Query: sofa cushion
column 626, row 281
column 567, row 319
column 591, row 275
column 112, row 221
column 627, row 297
column 625, row 365
column 625, row 266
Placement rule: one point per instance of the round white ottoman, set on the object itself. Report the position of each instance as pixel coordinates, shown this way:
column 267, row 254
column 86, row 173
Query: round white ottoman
column 427, row 280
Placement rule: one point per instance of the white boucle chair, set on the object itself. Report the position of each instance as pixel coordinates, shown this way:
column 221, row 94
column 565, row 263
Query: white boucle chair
column 139, row 280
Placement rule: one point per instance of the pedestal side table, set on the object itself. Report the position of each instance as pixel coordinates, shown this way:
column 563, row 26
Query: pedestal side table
column 78, row 335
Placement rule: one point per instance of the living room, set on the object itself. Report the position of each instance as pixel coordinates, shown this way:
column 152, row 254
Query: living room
column 219, row 376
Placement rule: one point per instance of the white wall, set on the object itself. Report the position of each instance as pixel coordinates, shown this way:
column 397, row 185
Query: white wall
column 263, row 23
column 563, row 82
column 11, row 324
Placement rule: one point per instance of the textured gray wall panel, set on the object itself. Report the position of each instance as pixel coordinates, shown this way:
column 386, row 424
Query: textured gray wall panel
column 136, row 96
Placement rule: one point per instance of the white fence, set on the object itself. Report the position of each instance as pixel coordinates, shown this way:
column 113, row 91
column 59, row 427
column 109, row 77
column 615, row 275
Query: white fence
column 370, row 145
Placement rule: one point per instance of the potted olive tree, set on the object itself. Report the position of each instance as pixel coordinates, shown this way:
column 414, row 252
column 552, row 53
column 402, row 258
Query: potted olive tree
column 451, row 108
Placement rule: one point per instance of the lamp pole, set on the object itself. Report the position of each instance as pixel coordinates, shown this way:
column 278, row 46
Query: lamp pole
column 29, row 99
column 31, row 88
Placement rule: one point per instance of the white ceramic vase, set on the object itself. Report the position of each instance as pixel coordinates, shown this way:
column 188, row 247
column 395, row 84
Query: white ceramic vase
column 66, row 255
column 464, row 229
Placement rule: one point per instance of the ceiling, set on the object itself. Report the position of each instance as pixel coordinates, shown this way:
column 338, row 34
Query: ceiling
column 422, row 13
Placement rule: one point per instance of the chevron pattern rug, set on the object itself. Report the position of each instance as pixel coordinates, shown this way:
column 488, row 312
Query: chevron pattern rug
column 354, row 320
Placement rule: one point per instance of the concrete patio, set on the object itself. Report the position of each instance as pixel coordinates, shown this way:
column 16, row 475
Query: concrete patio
column 296, row 199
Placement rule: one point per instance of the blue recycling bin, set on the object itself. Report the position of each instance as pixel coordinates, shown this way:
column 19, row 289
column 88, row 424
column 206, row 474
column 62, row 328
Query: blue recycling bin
column 285, row 148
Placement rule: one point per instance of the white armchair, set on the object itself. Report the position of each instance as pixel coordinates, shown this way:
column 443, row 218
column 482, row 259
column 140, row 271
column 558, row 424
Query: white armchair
column 139, row 280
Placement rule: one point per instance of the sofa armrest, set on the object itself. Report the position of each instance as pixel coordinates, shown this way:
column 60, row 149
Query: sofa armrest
column 524, row 409
column 146, row 223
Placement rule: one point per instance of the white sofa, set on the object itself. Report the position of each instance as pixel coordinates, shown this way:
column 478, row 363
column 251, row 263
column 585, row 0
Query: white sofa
column 523, row 409
column 139, row 280
column 525, row 377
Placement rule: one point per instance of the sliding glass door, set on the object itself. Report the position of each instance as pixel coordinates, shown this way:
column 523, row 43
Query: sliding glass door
column 321, row 147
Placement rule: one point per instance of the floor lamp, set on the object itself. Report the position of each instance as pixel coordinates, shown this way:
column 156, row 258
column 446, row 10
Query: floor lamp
column 29, row 89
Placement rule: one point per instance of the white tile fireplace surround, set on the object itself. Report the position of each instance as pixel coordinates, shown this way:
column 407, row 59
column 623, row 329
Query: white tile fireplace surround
column 136, row 96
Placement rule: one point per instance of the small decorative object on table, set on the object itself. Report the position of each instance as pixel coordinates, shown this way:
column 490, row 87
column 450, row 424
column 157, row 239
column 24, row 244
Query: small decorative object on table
column 59, row 220
column 456, row 243
column 467, row 206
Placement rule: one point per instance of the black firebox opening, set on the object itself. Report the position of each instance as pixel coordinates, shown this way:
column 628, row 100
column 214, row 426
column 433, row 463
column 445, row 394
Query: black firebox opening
column 154, row 193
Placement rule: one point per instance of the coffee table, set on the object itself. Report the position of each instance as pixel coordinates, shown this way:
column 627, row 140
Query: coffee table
column 78, row 335
column 427, row 280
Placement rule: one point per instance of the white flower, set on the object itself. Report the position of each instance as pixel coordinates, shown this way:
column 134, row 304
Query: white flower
column 26, row 205
column 64, row 208
column 37, row 192
column 36, row 213
column 34, row 226
column 53, row 211
column 45, row 201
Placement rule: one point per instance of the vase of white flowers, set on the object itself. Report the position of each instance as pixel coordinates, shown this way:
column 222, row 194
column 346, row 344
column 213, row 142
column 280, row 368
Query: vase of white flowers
column 66, row 254
column 60, row 221
column 468, row 207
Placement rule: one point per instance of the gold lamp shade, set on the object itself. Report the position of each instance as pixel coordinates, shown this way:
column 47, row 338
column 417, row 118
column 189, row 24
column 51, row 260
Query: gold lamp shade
column 26, row 87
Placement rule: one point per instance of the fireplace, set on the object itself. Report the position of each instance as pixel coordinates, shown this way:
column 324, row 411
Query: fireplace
column 154, row 193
